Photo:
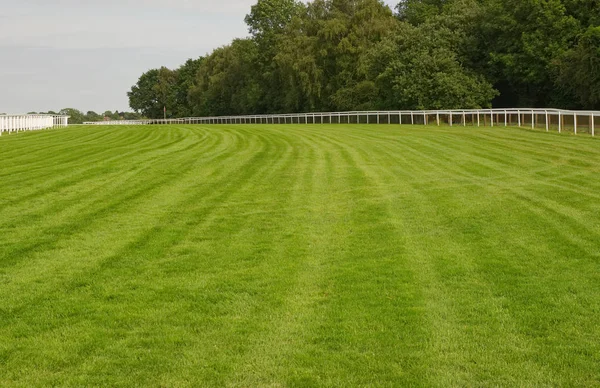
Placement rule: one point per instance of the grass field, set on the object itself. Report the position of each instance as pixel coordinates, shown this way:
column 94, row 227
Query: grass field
column 299, row 256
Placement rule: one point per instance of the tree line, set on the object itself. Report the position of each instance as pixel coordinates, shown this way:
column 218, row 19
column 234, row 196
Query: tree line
column 338, row 55
column 78, row 117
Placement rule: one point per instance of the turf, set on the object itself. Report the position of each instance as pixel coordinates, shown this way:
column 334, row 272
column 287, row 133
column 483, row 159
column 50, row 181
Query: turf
column 299, row 255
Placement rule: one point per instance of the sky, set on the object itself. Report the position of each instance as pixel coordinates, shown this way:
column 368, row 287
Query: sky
column 86, row 54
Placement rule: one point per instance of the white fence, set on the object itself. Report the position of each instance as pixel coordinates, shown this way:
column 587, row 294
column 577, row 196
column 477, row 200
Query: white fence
column 550, row 119
column 14, row 123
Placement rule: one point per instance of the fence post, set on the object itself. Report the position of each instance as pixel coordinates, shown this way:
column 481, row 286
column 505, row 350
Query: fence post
column 478, row 120
column 559, row 122
column 450, row 118
column 532, row 120
column 519, row 114
column 437, row 118
column 412, row 118
column 593, row 131
column 505, row 119
column 492, row 119
column 547, row 123
column 575, row 122
column 464, row 119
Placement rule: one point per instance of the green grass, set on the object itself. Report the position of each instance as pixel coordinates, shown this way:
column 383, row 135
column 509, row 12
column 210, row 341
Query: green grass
column 299, row 255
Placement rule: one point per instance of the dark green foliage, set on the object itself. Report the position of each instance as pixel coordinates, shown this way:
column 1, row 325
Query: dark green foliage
column 269, row 18
column 185, row 79
column 522, row 39
column 357, row 55
column 78, row 117
column 587, row 12
column 419, row 11
column 93, row 116
column 226, row 82
column 143, row 96
column 418, row 69
column 162, row 88
column 580, row 69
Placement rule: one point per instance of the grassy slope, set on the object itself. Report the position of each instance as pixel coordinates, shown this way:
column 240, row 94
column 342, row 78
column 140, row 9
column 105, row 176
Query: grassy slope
column 299, row 255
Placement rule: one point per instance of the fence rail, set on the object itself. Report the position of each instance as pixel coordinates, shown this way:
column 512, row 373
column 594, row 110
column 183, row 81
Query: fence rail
column 550, row 119
column 15, row 123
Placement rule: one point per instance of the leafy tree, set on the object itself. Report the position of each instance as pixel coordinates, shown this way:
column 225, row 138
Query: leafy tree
column 142, row 97
column 580, row 69
column 185, row 79
column 321, row 55
column 356, row 54
column 109, row 115
column 268, row 19
column 522, row 39
column 267, row 23
column 131, row 116
column 417, row 68
column 92, row 116
column 77, row 117
column 155, row 90
column 587, row 12
column 300, row 73
column 416, row 12
column 226, row 82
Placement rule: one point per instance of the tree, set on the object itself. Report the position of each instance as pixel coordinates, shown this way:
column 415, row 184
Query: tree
column 269, row 18
column 92, row 116
column 155, row 90
column 267, row 23
column 522, row 39
column 131, row 116
column 109, row 115
column 356, row 54
column 185, row 79
column 77, row 117
column 142, row 97
column 417, row 68
column 322, row 53
column 580, row 70
column 226, row 82
column 587, row 12
column 416, row 12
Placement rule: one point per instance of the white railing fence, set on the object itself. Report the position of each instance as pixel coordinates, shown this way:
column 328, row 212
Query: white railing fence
column 15, row 123
column 550, row 119
column 138, row 122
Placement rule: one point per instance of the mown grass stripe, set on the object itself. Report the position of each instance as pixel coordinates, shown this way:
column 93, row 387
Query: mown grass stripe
column 299, row 255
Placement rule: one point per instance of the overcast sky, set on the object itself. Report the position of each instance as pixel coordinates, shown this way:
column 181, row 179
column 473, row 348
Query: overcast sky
column 86, row 54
